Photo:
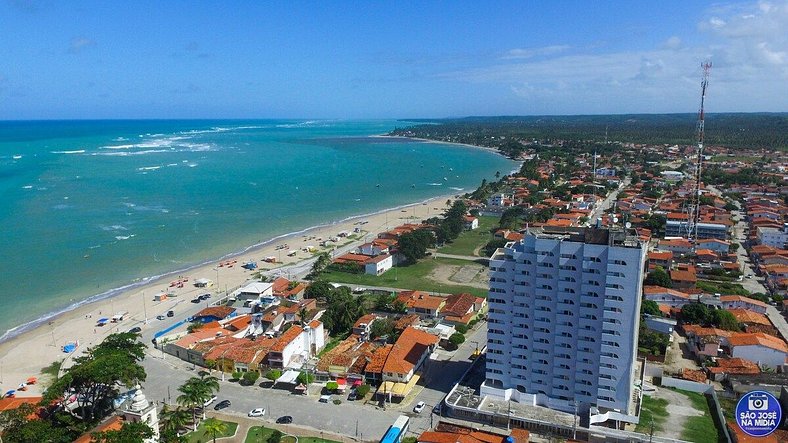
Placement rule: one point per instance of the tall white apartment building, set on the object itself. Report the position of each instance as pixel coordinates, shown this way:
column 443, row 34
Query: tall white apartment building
column 564, row 308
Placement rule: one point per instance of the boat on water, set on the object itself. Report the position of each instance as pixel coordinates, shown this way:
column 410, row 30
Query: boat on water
column 445, row 179
column 17, row 157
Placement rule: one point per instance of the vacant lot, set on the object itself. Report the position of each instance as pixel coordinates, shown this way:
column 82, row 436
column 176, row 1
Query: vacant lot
column 430, row 274
column 470, row 242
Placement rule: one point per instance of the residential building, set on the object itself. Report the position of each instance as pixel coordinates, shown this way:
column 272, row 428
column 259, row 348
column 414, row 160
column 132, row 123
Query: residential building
column 462, row 308
column 721, row 247
column 563, row 320
column 663, row 259
column 665, row 296
column 741, row 302
column 421, row 303
column 295, row 344
column 763, row 349
column 675, row 228
column 774, row 237
column 471, row 222
column 677, row 246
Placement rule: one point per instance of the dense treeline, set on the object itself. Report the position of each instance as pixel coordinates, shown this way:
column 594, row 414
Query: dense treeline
column 761, row 130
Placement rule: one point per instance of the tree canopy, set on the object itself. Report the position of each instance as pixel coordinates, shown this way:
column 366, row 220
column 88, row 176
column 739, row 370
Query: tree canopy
column 658, row 277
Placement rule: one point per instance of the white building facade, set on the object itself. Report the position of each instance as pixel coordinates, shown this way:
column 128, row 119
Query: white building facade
column 563, row 320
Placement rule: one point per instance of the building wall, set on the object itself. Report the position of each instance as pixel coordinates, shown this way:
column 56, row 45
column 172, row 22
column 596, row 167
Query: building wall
column 563, row 321
column 761, row 354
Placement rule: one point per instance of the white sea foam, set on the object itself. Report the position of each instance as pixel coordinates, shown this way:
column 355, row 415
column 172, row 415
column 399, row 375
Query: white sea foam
column 17, row 157
column 456, row 189
column 149, row 168
column 435, row 184
column 124, row 237
column 172, row 164
column 27, row 187
column 78, row 151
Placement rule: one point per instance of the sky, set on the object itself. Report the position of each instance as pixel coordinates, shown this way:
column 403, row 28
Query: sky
column 387, row 59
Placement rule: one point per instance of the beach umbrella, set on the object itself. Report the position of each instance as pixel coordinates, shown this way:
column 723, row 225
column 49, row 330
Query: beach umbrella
column 22, row 387
column 32, row 380
column 10, row 393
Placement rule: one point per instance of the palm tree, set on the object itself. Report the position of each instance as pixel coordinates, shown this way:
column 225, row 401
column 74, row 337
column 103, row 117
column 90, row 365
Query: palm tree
column 213, row 427
column 190, row 398
column 173, row 420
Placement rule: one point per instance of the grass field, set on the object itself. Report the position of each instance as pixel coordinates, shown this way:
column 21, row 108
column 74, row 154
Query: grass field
column 652, row 409
column 200, row 436
column 699, row 429
column 408, row 277
column 260, row 434
column 468, row 241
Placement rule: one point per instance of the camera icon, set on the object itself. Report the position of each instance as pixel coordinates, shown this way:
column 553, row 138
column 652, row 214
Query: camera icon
column 758, row 403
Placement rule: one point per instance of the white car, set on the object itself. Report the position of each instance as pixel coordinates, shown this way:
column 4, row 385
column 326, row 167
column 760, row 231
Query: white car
column 257, row 412
column 209, row 401
column 419, row 407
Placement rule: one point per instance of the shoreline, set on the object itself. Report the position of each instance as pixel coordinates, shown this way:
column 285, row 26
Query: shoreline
column 427, row 140
column 39, row 341
column 16, row 331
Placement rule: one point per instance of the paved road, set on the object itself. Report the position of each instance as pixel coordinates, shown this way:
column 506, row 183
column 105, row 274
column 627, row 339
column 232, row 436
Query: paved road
column 751, row 281
column 166, row 373
column 607, row 202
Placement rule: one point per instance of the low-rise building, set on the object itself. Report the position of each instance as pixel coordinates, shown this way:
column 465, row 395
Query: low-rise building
column 421, row 303
column 741, row 302
column 665, row 296
column 765, row 350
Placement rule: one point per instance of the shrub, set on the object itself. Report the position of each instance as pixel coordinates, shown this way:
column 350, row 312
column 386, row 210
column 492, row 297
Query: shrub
column 363, row 390
column 337, row 401
column 251, row 377
column 462, row 329
column 275, row 436
column 456, row 339
column 237, row 375
column 273, row 374
column 332, row 386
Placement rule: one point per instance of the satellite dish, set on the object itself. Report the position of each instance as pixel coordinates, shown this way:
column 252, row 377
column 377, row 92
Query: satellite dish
column 628, row 225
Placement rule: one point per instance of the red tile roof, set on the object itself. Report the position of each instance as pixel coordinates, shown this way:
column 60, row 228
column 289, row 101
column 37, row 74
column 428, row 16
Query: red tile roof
column 216, row 311
column 746, row 316
column 758, row 339
column 287, row 338
column 458, row 305
column 409, row 348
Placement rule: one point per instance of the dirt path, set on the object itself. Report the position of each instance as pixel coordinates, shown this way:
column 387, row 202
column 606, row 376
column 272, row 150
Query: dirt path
column 679, row 409
column 467, row 275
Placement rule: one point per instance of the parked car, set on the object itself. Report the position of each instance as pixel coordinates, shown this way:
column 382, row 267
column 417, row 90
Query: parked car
column 257, row 412
column 170, row 313
column 222, row 404
column 210, row 400
column 419, row 407
column 284, row 420
column 325, row 398
column 352, row 396
column 135, row 330
column 160, row 317
column 196, row 300
column 205, row 296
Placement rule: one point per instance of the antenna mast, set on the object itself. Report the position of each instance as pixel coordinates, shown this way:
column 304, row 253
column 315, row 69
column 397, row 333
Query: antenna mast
column 694, row 219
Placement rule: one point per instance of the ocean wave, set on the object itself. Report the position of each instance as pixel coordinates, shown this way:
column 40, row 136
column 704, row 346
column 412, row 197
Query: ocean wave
column 435, row 184
column 124, row 237
column 78, row 151
column 113, row 228
column 148, row 168
column 27, row 187
column 143, row 208
column 456, row 189
column 62, row 206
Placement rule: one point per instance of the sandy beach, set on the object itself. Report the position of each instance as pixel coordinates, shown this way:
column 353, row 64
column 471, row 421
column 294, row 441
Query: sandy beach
column 27, row 354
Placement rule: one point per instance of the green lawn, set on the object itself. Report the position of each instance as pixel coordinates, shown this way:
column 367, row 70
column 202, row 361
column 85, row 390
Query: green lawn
column 652, row 409
column 408, row 277
column 699, row 429
column 468, row 241
column 260, row 434
column 723, row 288
column 199, row 436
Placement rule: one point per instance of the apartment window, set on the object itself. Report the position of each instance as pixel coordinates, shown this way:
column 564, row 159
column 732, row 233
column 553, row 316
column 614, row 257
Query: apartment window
column 546, row 265
column 588, row 305
column 547, row 287
column 613, row 310
column 567, row 268
column 592, row 283
column 568, row 256
column 619, row 262
column 614, row 298
column 569, row 279
column 569, row 290
column 613, row 286
column 542, row 275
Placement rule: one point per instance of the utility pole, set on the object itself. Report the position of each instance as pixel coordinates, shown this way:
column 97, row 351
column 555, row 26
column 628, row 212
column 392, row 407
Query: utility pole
column 145, row 307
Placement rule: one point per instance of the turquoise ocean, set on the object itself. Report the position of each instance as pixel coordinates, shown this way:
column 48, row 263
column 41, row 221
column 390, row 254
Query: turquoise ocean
column 89, row 208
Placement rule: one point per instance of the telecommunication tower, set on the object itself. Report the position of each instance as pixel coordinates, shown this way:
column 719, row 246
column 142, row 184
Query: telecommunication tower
column 694, row 215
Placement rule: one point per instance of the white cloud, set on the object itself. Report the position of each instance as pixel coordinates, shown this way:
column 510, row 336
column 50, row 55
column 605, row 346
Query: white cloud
column 534, row 52
column 80, row 43
column 748, row 46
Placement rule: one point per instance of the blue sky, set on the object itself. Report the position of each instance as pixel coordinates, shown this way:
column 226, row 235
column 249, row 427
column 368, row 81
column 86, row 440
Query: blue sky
column 180, row 59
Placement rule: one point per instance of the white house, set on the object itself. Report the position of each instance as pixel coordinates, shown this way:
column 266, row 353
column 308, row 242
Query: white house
column 471, row 223
column 761, row 348
column 741, row 302
column 716, row 245
column 254, row 290
column 296, row 343
column 665, row 296
column 774, row 237
column 378, row 265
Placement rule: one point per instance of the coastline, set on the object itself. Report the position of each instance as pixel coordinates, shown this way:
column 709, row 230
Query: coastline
column 40, row 341
column 426, row 140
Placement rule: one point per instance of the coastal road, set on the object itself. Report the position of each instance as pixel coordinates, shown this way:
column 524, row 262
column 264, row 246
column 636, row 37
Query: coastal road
column 607, row 202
